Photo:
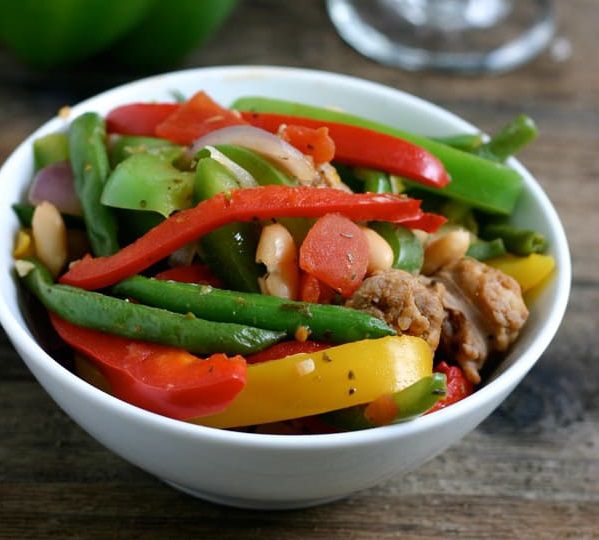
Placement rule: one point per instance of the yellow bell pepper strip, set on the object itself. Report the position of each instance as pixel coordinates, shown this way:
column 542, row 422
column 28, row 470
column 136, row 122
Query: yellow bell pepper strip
column 24, row 246
column 326, row 380
column 239, row 205
column 528, row 271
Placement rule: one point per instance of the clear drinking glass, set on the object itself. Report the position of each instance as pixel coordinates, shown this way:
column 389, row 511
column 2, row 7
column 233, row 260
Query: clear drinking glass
column 451, row 35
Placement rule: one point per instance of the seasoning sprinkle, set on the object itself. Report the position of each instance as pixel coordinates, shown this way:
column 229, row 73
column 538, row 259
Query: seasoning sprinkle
column 346, row 234
column 302, row 333
column 352, row 390
column 350, row 258
column 326, row 357
column 351, row 375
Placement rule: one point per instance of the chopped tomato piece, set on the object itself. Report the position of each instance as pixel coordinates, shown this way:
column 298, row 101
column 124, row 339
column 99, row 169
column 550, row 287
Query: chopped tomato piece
column 310, row 141
column 196, row 117
column 314, row 291
column 335, row 251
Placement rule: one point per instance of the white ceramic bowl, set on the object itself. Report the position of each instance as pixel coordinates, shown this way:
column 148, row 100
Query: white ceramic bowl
column 274, row 471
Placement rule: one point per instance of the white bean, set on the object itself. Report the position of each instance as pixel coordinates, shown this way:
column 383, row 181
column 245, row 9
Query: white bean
column 445, row 249
column 380, row 254
column 50, row 236
column 278, row 252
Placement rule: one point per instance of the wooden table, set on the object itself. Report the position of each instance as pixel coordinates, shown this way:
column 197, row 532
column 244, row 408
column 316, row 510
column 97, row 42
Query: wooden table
column 530, row 471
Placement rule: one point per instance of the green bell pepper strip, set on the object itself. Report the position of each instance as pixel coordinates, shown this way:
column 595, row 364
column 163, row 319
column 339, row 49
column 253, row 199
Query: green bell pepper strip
column 125, row 146
column 484, row 251
column 136, row 321
column 374, row 181
column 477, row 182
column 408, row 253
column 230, row 251
column 334, row 324
column 52, row 148
column 517, row 241
column 408, row 403
column 511, row 139
column 148, row 182
column 466, row 143
column 260, row 168
column 24, row 213
column 89, row 161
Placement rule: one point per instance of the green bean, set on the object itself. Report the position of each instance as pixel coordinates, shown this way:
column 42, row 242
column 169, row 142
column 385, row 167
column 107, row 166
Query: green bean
column 466, row 143
column 410, row 402
column 483, row 250
column 335, row 324
column 511, row 139
column 458, row 213
column 89, row 160
column 136, row 321
column 516, row 240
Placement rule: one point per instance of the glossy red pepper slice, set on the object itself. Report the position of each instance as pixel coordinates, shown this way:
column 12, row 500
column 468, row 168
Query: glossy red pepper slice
column 286, row 348
column 139, row 118
column 427, row 222
column 358, row 146
column 458, row 387
column 164, row 380
column 264, row 202
column 195, row 273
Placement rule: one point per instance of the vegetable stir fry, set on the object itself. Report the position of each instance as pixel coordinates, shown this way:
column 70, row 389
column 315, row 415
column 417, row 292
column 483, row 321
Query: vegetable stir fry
column 277, row 267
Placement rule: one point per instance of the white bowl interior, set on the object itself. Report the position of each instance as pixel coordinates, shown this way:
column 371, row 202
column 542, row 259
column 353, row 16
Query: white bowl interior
column 360, row 97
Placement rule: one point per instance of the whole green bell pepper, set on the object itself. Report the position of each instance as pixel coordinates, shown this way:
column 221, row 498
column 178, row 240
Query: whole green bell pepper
column 51, row 33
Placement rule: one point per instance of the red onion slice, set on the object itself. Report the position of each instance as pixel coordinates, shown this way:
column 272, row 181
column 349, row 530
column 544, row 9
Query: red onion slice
column 265, row 144
column 55, row 184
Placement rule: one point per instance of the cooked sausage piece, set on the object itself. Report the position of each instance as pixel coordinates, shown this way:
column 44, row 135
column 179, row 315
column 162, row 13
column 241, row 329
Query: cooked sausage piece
column 484, row 313
column 404, row 302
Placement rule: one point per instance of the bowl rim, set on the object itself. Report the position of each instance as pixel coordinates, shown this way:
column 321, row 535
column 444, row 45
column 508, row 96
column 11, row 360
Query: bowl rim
column 71, row 382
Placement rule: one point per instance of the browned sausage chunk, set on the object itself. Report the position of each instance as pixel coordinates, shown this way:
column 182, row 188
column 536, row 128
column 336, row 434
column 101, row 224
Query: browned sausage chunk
column 404, row 302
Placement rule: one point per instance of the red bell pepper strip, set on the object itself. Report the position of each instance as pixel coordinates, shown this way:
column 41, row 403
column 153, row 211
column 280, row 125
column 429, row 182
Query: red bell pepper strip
column 195, row 273
column 264, row 202
column 358, row 146
column 139, row 118
column 309, row 141
column 164, row 380
column 286, row 348
column 458, row 387
column 196, row 117
column 335, row 251
column 427, row 222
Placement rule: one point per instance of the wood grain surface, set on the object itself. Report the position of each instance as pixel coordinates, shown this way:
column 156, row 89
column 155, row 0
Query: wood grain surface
column 530, row 471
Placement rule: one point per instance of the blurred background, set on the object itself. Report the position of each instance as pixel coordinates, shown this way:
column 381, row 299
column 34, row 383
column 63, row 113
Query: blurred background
column 530, row 471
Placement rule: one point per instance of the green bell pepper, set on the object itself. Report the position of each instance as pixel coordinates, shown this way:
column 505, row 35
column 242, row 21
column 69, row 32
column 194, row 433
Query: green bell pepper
column 125, row 146
column 408, row 253
column 230, row 251
column 52, row 148
column 148, row 182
